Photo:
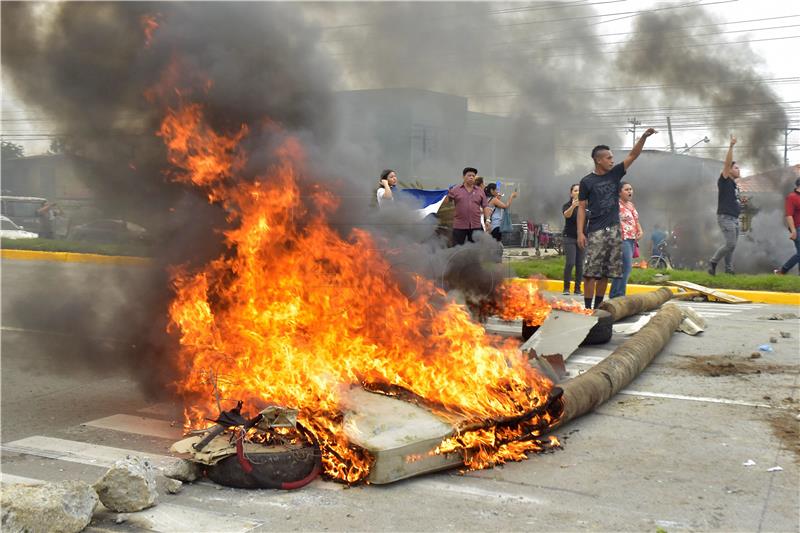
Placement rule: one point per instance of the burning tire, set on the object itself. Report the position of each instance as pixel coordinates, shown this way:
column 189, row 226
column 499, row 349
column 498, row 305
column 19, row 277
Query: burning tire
column 528, row 331
column 278, row 467
column 601, row 332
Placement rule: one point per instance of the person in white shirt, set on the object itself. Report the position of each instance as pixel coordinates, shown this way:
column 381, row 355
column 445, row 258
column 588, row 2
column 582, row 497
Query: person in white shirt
column 388, row 182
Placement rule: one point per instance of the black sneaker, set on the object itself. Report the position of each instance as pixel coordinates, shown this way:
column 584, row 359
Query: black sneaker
column 731, row 272
column 577, row 293
column 565, row 293
column 712, row 269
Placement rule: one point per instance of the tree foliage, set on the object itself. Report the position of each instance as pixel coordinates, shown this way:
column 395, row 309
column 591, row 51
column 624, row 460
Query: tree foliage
column 12, row 151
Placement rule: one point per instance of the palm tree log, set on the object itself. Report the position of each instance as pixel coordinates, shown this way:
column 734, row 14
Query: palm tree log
column 625, row 306
column 591, row 389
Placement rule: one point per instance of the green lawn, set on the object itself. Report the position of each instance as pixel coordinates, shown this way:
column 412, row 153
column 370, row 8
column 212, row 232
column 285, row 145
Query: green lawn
column 553, row 268
column 54, row 245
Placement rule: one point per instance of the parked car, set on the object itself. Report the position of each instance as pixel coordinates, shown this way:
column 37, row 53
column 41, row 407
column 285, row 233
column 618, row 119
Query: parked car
column 9, row 230
column 109, row 231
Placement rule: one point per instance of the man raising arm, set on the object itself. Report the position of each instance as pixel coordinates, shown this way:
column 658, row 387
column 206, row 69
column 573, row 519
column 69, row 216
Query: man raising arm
column 601, row 237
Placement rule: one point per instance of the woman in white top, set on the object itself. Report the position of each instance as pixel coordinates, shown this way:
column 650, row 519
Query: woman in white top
column 388, row 182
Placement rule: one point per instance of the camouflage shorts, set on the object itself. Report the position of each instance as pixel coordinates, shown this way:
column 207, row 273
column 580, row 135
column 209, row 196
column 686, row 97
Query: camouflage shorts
column 604, row 253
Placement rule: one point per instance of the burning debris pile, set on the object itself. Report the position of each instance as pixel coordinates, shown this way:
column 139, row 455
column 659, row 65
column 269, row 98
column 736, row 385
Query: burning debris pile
column 294, row 315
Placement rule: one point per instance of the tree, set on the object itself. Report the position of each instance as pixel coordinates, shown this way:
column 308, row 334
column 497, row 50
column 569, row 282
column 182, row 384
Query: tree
column 12, row 151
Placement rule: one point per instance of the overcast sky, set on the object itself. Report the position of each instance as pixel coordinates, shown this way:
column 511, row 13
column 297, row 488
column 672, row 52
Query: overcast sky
column 772, row 30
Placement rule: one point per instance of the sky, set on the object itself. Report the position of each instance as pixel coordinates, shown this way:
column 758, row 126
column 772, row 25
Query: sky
column 771, row 27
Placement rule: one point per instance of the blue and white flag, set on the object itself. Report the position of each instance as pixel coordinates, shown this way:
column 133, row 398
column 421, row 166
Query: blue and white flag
column 427, row 202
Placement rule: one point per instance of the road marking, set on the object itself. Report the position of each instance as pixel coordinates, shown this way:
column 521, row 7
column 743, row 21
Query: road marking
column 165, row 516
column 483, row 494
column 177, row 518
column 139, row 425
column 59, row 334
column 78, row 452
column 10, row 478
column 694, row 398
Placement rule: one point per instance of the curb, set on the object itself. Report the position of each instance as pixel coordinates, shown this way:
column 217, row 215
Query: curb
column 73, row 257
column 762, row 297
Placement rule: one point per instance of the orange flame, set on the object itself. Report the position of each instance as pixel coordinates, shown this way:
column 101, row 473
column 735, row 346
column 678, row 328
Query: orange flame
column 293, row 314
column 522, row 299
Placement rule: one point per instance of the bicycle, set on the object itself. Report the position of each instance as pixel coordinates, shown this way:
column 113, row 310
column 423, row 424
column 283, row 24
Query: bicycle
column 661, row 258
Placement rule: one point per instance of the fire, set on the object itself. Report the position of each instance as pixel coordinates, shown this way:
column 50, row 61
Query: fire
column 522, row 299
column 294, row 315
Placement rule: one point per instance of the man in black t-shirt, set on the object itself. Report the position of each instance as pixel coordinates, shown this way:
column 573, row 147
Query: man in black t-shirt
column 728, row 209
column 599, row 194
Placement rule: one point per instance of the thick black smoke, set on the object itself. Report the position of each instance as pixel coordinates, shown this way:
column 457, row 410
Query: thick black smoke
column 88, row 66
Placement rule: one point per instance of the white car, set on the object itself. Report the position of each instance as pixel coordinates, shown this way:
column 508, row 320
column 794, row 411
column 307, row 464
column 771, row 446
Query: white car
column 9, row 230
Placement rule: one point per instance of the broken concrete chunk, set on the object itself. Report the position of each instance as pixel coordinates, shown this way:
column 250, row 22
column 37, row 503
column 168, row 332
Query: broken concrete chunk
column 173, row 486
column 786, row 334
column 183, row 470
column 59, row 507
column 128, row 486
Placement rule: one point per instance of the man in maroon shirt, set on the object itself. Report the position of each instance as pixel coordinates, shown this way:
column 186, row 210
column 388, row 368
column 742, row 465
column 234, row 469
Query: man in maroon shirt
column 793, row 223
column 470, row 203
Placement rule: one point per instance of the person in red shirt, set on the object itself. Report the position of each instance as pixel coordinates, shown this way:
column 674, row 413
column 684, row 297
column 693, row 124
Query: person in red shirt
column 793, row 223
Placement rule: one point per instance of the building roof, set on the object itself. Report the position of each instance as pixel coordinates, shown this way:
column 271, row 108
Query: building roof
column 776, row 180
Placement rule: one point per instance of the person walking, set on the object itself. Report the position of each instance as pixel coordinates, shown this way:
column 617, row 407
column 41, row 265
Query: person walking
column 729, row 205
column 631, row 232
column 470, row 203
column 598, row 194
column 792, row 219
column 573, row 255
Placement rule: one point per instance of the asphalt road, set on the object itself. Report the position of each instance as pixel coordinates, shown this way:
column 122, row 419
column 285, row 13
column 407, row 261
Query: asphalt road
column 666, row 453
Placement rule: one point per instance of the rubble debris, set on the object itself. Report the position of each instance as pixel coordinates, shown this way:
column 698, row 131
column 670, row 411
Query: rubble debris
column 692, row 323
column 786, row 334
column 766, row 348
column 780, row 316
column 121, row 519
column 749, row 462
column 773, row 340
column 183, row 470
column 173, row 486
column 66, row 506
column 775, row 469
column 128, row 486
column 716, row 294
column 755, row 355
column 561, row 332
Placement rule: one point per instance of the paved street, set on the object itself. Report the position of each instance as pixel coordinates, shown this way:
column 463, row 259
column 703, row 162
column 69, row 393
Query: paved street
column 668, row 452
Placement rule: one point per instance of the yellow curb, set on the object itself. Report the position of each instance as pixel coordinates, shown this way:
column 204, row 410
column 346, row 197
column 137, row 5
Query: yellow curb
column 73, row 257
column 762, row 297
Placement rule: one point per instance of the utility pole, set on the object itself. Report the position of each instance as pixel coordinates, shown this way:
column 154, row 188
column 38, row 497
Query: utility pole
column 635, row 123
column 786, row 131
column 671, row 143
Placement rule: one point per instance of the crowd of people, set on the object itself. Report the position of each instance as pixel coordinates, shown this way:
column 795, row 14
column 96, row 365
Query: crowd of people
column 601, row 224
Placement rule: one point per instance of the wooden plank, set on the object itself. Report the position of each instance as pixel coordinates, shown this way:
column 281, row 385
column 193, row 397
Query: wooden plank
column 714, row 293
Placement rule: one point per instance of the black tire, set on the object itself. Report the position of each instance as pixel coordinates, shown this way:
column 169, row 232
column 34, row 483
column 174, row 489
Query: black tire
column 527, row 331
column 602, row 331
column 271, row 470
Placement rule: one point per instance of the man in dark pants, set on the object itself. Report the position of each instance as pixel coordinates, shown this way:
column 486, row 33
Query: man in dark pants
column 793, row 223
column 599, row 193
column 728, row 209
column 470, row 202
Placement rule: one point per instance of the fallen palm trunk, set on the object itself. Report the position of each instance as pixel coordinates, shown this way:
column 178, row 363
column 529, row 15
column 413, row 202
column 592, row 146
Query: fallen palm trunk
column 592, row 388
column 625, row 306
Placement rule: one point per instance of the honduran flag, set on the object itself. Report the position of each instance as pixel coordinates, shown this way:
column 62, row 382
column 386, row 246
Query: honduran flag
column 427, row 202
